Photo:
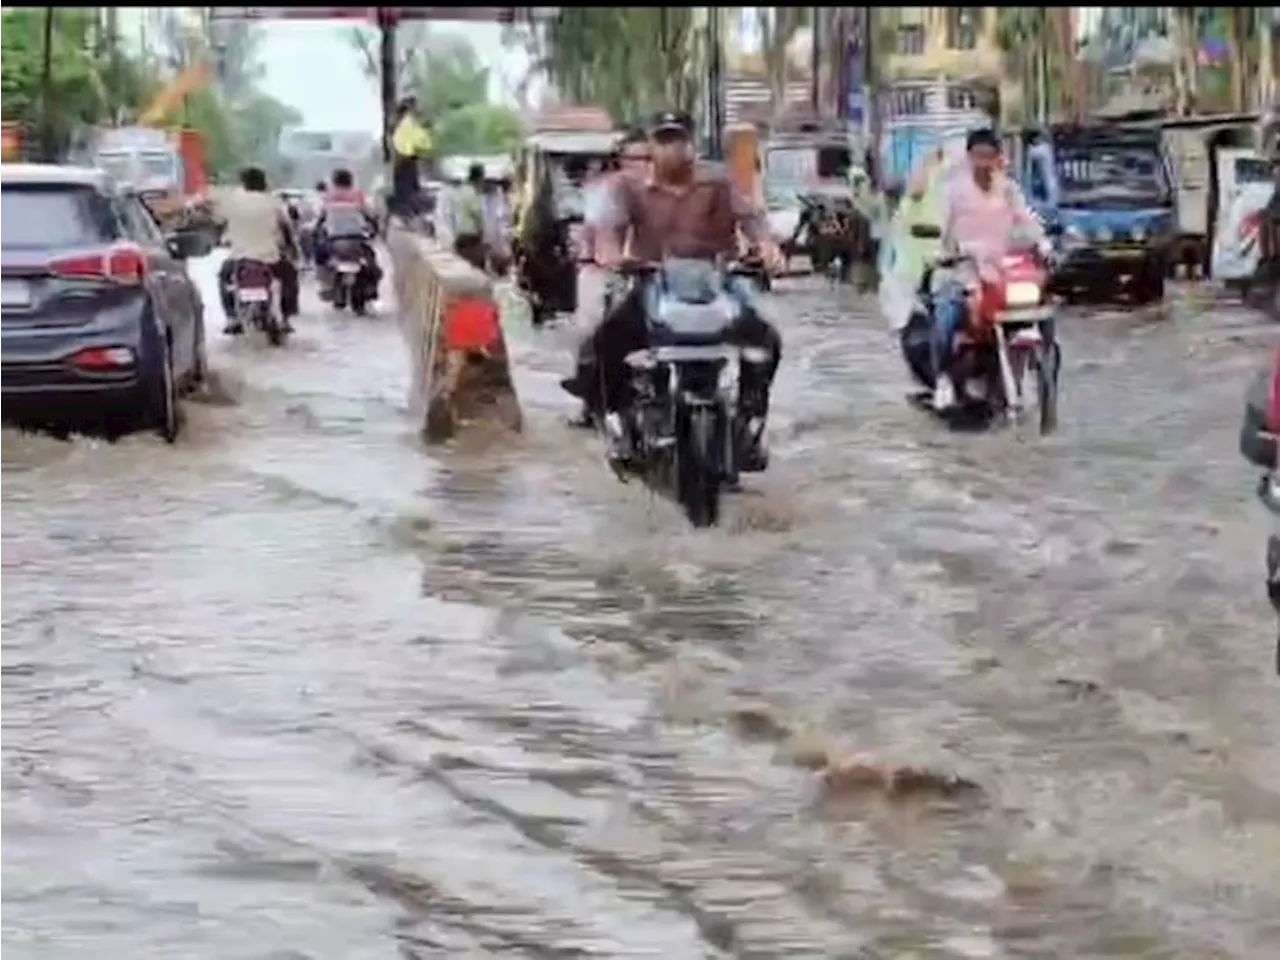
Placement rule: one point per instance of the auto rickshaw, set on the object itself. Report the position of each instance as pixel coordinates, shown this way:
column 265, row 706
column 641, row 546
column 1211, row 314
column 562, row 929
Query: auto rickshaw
column 553, row 167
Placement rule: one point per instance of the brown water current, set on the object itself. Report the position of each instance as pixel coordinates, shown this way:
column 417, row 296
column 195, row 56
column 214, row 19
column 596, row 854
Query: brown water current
column 297, row 688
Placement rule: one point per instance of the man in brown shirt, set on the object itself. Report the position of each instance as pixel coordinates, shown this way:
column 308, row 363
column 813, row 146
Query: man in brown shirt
column 683, row 210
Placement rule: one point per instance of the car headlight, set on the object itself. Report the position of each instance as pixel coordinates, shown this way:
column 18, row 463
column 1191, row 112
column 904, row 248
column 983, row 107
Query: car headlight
column 1139, row 234
column 1022, row 293
column 1103, row 235
column 1073, row 233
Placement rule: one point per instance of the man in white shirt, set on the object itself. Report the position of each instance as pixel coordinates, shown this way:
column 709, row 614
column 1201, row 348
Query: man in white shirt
column 257, row 228
column 468, row 218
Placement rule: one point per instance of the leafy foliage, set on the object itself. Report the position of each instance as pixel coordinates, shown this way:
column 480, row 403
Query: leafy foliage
column 95, row 81
column 451, row 84
column 476, row 129
column 630, row 60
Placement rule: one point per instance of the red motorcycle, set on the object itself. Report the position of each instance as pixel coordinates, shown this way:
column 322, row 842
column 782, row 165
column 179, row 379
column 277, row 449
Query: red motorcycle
column 1008, row 340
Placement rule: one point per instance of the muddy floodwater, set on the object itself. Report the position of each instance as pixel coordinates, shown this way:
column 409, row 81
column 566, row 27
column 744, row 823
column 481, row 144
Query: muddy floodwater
column 298, row 688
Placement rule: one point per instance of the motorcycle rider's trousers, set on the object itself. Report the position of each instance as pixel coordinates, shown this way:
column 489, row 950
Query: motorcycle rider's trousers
column 602, row 379
column 950, row 309
column 282, row 269
column 471, row 248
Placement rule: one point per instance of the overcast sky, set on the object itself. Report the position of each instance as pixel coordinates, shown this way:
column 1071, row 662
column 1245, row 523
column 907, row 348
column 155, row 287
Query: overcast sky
column 314, row 69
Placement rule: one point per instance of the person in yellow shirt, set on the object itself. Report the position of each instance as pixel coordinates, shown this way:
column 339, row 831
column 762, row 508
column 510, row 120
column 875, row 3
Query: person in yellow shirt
column 410, row 144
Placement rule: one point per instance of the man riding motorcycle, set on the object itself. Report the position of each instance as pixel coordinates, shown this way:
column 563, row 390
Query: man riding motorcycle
column 257, row 228
column 345, row 215
column 982, row 209
column 682, row 211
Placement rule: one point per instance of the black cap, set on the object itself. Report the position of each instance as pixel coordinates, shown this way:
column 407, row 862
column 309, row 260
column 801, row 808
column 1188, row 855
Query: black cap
column 671, row 121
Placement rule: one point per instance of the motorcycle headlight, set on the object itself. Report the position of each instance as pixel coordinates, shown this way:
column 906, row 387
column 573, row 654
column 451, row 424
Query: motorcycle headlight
column 1022, row 293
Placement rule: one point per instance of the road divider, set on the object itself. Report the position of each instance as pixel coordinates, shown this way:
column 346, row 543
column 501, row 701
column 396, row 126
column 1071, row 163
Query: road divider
column 461, row 375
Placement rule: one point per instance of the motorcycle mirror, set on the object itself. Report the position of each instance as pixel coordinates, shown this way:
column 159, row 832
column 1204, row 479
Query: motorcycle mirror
column 1269, row 492
column 926, row 231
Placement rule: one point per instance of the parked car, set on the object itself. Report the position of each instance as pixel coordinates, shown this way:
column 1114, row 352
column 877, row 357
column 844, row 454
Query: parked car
column 100, row 321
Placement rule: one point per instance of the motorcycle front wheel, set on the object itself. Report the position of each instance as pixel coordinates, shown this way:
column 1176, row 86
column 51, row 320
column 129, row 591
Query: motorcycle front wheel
column 1045, row 364
column 698, row 472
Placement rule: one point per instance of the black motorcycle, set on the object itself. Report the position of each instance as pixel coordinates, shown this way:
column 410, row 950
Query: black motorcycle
column 351, row 263
column 682, row 429
column 1258, row 445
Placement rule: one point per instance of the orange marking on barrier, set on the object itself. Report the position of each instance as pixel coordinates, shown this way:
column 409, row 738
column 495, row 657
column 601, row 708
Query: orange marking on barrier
column 471, row 325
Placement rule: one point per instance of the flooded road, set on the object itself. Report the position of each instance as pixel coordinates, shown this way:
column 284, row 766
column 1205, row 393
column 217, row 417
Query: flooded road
column 295, row 688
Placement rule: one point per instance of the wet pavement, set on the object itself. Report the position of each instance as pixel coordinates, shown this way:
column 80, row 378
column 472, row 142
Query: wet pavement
column 297, row 688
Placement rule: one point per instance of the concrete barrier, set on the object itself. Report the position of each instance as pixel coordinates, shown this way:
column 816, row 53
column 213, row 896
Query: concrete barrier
column 452, row 328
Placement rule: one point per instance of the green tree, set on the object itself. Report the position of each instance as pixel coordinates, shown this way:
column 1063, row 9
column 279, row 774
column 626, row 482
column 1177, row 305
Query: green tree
column 629, row 60
column 451, row 84
column 477, row 129
column 778, row 28
column 448, row 76
column 1025, row 34
column 76, row 87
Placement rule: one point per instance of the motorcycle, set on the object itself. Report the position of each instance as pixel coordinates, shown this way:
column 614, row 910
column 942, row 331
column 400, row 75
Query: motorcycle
column 257, row 299
column 682, row 429
column 351, row 283
column 1009, row 335
column 1269, row 494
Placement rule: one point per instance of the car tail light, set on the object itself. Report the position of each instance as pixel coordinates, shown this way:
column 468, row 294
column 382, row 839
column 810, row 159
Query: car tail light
column 471, row 325
column 124, row 264
column 1273, row 398
column 103, row 358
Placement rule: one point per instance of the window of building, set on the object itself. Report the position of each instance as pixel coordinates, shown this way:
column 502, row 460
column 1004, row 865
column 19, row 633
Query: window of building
column 907, row 101
column 909, row 39
column 961, row 98
column 962, row 27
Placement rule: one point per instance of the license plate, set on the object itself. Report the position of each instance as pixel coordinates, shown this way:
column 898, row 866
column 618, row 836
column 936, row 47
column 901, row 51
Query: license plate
column 1121, row 254
column 1025, row 315
column 710, row 354
column 254, row 295
column 348, row 268
column 15, row 293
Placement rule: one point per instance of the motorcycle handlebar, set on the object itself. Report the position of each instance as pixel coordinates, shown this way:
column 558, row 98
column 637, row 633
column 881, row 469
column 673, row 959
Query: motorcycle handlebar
column 748, row 266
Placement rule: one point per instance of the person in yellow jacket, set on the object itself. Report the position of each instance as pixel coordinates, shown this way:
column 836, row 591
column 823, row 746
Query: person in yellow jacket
column 410, row 144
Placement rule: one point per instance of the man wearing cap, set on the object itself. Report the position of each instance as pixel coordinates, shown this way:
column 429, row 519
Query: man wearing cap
column 680, row 210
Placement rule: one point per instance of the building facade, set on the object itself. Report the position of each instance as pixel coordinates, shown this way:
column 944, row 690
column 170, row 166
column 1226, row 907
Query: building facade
column 941, row 43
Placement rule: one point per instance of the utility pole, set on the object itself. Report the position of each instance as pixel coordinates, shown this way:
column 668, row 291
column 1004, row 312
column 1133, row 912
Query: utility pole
column 817, row 39
column 715, row 85
column 861, row 107
column 387, row 75
column 48, row 149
